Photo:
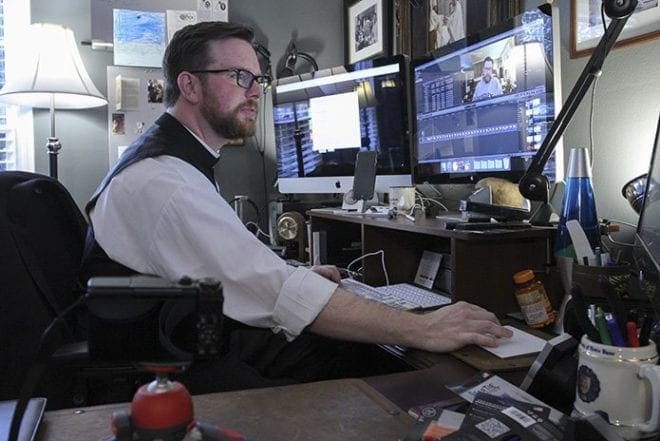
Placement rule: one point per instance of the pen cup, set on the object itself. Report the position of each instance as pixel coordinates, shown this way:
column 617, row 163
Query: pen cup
column 622, row 382
column 588, row 278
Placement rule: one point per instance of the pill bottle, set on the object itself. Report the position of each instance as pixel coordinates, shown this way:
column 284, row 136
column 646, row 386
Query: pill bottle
column 533, row 300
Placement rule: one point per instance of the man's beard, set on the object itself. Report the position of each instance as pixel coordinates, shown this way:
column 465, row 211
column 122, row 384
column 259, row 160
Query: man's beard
column 228, row 125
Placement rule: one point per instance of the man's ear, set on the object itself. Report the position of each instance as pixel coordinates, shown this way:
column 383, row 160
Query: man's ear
column 190, row 87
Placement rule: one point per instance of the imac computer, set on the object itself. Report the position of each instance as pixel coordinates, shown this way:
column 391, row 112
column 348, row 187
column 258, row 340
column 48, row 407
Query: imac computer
column 322, row 119
column 483, row 105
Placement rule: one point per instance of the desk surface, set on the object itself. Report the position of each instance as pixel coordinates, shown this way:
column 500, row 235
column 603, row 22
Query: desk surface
column 433, row 226
column 330, row 410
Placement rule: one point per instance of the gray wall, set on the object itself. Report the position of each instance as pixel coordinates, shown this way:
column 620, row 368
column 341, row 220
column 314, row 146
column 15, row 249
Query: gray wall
column 626, row 108
column 627, row 102
column 83, row 161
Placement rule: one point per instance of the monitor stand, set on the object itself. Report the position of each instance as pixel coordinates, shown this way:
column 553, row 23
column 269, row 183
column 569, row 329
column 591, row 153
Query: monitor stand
column 359, row 205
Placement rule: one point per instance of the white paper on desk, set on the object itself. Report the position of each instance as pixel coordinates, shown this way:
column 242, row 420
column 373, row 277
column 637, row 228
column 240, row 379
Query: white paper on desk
column 520, row 343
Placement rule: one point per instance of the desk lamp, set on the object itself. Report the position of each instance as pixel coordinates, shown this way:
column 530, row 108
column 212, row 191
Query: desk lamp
column 51, row 76
column 534, row 185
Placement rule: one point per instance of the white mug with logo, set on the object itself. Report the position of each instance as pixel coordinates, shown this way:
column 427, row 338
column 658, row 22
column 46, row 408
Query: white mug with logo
column 623, row 382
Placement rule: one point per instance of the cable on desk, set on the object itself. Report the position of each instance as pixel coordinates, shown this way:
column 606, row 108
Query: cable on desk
column 258, row 230
column 375, row 253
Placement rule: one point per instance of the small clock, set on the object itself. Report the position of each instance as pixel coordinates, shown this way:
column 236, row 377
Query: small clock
column 291, row 230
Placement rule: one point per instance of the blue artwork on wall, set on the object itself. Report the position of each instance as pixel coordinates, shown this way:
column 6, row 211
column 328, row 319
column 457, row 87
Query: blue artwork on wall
column 139, row 38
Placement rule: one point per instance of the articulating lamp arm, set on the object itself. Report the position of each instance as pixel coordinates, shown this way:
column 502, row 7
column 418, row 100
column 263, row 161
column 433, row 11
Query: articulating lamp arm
column 534, row 185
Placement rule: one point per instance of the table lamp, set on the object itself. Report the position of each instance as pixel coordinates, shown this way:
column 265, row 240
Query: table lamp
column 51, row 75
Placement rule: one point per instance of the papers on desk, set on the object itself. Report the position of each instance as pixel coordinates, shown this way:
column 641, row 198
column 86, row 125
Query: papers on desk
column 521, row 343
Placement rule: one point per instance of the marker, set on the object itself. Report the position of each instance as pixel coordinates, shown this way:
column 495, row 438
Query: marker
column 615, row 333
column 631, row 328
column 601, row 324
column 599, row 259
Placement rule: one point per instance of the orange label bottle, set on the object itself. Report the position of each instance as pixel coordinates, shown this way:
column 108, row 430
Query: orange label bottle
column 533, row 300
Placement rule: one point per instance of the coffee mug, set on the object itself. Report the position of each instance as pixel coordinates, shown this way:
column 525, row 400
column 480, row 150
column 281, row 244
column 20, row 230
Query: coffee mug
column 622, row 382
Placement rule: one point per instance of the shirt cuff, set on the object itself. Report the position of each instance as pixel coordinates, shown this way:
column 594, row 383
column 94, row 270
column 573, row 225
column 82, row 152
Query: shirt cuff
column 303, row 295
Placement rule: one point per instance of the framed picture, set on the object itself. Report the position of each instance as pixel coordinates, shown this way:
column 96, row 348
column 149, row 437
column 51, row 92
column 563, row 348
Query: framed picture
column 367, row 25
column 446, row 21
column 428, row 25
column 587, row 26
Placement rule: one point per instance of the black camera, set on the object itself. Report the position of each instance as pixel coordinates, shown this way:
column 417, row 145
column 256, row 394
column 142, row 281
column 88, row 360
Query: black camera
column 151, row 320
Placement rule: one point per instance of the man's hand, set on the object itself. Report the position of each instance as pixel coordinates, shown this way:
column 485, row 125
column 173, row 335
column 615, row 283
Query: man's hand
column 328, row 271
column 458, row 325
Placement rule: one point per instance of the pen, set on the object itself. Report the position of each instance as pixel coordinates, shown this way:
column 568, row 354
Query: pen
column 616, row 304
column 601, row 324
column 615, row 332
column 592, row 314
column 645, row 332
column 631, row 327
column 599, row 260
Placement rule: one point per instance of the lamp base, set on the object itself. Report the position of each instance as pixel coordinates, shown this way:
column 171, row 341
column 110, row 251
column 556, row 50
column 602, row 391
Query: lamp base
column 53, row 146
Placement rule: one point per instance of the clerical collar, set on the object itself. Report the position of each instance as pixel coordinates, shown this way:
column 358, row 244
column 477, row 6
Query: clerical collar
column 214, row 152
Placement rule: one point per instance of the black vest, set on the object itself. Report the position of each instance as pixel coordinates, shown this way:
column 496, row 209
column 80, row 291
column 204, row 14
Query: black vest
column 166, row 137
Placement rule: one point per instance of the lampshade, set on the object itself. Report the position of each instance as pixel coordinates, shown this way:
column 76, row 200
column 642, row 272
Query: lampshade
column 51, row 68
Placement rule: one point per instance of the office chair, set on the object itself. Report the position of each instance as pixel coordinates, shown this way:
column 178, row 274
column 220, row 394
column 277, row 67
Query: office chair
column 43, row 235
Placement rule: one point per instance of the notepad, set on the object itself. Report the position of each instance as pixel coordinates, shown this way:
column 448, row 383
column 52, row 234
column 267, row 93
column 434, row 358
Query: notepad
column 521, row 343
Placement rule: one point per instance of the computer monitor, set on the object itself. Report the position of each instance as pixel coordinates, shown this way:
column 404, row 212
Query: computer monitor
column 322, row 119
column 483, row 105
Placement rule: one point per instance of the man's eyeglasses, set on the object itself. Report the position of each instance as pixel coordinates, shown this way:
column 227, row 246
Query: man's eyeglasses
column 244, row 78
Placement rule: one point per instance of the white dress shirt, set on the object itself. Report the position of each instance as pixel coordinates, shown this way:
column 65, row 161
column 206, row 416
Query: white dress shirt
column 162, row 216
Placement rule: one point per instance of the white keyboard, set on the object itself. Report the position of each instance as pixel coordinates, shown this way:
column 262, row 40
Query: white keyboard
column 400, row 295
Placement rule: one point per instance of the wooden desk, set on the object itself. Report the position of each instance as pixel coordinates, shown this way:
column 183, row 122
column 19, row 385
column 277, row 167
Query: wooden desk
column 330, row 410
column 481, row 265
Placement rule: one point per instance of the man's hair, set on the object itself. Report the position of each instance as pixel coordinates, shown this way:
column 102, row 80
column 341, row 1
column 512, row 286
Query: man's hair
column 489, row 59
column 188, row 50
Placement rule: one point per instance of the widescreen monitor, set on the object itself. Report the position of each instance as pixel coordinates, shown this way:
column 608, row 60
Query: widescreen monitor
column 322, row 119
column 483, row 105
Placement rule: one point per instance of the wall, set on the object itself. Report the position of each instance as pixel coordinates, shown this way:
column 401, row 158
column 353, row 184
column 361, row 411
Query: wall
column 626, row 109
column 627, row 102
column 83, row 159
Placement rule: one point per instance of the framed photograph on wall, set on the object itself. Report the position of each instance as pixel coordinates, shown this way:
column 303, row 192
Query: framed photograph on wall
column 587, row 26
column 447, row 22
column 367, row 25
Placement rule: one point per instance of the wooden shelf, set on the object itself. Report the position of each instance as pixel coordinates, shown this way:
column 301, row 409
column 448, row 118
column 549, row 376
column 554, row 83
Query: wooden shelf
column 481, row 266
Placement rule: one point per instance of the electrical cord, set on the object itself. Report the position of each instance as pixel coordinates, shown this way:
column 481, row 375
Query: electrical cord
column 591, row 120
column 258, row 231
column 262, row 152
column 440, row 204
column 375, row 253
column 252, row 204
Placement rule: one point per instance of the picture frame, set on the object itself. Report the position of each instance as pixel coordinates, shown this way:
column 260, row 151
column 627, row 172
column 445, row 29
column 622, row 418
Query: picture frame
column 446, row 21
column 587, row 27
column 367, row 27
column 417, row 39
